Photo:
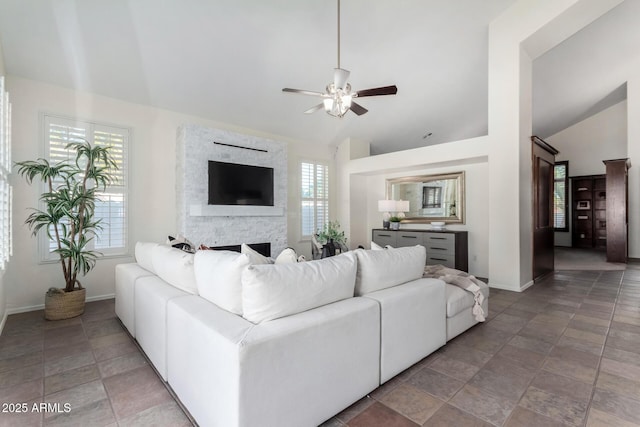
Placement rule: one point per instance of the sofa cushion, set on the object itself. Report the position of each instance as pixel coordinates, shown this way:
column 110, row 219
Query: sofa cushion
column 255, row 257
column 144, row 255
column 174, row 267
column 458, row 299
column 375, row 246
column 383, row 269
column 219, row 278
column 273, row 291
column 288, row 255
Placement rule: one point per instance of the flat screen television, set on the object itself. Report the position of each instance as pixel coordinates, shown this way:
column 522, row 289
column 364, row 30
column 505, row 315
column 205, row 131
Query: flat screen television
column 236, row 184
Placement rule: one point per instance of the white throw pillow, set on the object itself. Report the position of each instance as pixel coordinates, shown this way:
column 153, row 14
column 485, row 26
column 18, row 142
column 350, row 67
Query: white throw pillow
column 144, row 255
column 273, row 291
column 287, row 256
column 219, row 277
column 384, row 269
column 254, row 256
column 375, row 246
column 175, row 267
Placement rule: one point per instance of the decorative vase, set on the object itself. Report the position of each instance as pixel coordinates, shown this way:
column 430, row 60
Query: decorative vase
column 329, row 249
column 59, row 305
column 395, row 225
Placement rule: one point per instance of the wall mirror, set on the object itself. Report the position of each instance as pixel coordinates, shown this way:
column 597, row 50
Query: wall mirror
column 431, row 197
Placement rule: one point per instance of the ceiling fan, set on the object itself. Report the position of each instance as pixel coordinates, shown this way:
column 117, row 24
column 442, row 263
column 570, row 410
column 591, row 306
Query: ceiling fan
column 338, row 97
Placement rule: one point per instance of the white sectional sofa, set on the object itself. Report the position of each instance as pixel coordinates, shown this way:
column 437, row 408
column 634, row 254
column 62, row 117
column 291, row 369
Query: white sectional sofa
column 280, row 345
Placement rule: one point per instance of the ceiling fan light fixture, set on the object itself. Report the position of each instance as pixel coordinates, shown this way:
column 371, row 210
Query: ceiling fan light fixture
column 337, row 106
column 338, row 99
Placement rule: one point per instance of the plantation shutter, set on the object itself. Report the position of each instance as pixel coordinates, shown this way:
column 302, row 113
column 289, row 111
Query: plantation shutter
column 314, row 180
column 6, row 191
column 111, row 206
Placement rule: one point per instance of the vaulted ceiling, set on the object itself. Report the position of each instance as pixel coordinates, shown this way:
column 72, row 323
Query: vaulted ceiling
column 227, row 60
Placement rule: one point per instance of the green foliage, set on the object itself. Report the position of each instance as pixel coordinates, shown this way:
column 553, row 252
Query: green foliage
column 69, row 204
column 331, row 231
column 395, row 219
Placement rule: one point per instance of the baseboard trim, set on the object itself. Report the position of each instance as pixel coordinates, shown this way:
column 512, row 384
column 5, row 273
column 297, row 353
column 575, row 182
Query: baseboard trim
column 520, row 288
column 28, row 308
column 526, row 285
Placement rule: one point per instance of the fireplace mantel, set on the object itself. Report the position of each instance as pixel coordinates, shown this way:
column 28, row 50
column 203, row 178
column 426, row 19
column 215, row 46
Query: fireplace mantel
column 233, row 210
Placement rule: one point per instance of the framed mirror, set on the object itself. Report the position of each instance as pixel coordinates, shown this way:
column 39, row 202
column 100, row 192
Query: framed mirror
column 431, row 197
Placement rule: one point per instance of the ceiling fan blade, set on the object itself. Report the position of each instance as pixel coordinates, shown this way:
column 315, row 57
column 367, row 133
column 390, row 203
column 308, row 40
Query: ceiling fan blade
column 357, row 108
column 303, row 92
column 385, row 90
column 340, row 77
column 314, row 109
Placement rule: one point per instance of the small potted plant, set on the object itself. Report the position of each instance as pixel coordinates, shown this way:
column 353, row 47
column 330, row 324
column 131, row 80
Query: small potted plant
column 394, row 222
column 67, row 216
column 330, row 238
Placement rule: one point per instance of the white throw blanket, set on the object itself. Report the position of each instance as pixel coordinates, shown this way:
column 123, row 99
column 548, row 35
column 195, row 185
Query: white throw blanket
column 461, row 279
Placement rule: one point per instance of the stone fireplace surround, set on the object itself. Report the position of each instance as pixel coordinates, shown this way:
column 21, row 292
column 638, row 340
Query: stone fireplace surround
column 214, row 225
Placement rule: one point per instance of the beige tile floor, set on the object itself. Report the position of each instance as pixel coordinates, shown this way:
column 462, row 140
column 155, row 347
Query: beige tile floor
column 566, row 352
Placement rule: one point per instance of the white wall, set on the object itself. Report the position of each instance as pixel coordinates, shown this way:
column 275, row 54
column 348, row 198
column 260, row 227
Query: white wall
column 3, row 302
column 585, row 145
column 524, row 31
column 365, row 184
column 476, row 209
column 633, row 152
column 153, row 183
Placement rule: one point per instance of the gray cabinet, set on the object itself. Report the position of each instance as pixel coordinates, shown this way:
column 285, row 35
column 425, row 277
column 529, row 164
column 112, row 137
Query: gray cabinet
column 447, row 247
column 385, row 237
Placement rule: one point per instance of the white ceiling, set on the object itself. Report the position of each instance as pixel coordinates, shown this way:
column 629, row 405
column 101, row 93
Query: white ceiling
column 227, row 60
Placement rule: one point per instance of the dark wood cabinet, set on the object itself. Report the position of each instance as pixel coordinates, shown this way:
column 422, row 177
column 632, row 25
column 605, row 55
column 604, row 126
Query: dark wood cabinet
column 600, row 213
column 600, row 209
column 617, row 209
column 588, row 206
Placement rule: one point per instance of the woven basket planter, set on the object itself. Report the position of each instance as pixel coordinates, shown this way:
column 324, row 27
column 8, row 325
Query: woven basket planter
column 64, row 305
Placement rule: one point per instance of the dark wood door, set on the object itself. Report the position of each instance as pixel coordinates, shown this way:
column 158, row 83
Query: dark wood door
column 617, row 209
column 543, row 230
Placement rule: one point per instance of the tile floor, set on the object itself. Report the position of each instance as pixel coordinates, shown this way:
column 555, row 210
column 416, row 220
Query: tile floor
column 566, row 352
column 88, row 362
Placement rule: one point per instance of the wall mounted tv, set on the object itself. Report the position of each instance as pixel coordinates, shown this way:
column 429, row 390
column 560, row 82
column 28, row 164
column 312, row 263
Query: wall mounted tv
column 236, row 184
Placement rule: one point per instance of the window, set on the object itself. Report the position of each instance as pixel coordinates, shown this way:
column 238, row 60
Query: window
column 111, row 207
column 560, row 198
column 314, row 205
column 6, row 191
column 431, row 197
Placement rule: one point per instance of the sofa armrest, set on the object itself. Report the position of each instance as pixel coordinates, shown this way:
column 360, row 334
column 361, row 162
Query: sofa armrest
column 126, row 277
column 203, row 360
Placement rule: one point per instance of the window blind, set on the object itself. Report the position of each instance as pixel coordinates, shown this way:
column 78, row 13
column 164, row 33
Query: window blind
column 314, row 189
column 111, row 206
column 6, row 191
column 560, row 199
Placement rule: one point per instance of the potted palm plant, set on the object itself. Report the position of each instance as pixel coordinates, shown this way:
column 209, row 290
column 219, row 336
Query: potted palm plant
column 68, row 217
